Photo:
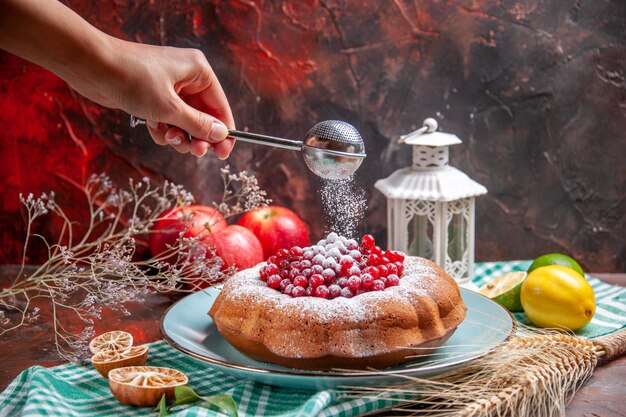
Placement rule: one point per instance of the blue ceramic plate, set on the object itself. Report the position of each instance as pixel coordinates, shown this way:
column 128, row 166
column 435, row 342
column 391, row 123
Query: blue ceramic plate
column 188, row 328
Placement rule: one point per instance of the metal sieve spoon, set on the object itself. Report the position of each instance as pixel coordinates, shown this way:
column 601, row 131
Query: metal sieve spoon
column 332, row 149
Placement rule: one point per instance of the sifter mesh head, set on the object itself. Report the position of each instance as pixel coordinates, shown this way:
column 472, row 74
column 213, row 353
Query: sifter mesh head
column 336, row 135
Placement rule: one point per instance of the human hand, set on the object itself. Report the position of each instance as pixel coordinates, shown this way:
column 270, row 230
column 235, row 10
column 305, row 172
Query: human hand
column 166, row 86
column 174, row 89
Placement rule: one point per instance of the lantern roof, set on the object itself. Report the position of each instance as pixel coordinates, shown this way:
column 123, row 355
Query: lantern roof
column 445, row 184
column 427, row 135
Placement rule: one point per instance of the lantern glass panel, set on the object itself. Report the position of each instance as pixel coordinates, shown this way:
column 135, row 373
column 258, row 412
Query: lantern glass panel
column 457, row 258
column 421, row 234
column 457, row 237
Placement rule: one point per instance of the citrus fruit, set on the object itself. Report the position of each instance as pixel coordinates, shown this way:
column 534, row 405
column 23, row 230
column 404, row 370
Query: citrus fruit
column 505, row 290
column 556, row 259
column 115, row 340
column 557, row 296
column 107, row 360
column 143, row 386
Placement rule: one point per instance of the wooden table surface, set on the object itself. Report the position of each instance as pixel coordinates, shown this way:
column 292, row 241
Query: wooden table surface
column 604, row 395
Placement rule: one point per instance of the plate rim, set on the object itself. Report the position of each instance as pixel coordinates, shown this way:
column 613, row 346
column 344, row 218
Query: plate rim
column 326, row 374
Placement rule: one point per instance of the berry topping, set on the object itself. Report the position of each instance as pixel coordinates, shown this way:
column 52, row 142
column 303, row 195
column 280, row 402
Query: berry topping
column 298, row 291
column 367, row 241
column 322, row 292
column 273, row 281
column 334, row 267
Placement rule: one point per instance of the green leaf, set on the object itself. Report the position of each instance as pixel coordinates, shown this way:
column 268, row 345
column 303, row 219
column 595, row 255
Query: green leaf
column 185, row 395
column 224, row 403
column 162, row 407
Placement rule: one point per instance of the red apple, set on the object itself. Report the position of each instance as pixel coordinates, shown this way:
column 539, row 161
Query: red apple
column 276, row 227
column 237, row 246
column 192, row 221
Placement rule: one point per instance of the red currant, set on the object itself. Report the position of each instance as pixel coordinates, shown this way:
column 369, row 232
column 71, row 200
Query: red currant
column 273, row 281
column 298, row 291
column 347, row 293
column 393, row 280
column 322, row 292
column 354, row 283
column 378, row 285
column 373, row 271
column 384, row 271
column 288, row 289
column 334, row 291
column 316, row 280
column 400, row 266
column 281, row 253
column 300, row 281
column 366, row 281
column 376, row 250
column 295, row 265
column 272, row 260
column 393, row 268
column 354, row 270
column 296, row 251
column 345, row 266
column 305, row 263
column 368, row 241
column 283, row 284
column 293, row 273
column 373, row 260
column 317, row 269
column 342, row 282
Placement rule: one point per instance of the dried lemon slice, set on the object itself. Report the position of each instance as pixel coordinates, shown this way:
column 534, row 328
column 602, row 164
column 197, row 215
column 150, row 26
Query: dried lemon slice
column 115, row 340
column 144, row 386
column 107, row 360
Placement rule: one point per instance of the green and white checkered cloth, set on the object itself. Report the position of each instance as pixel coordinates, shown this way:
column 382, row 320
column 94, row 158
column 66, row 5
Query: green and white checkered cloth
column 76, row 390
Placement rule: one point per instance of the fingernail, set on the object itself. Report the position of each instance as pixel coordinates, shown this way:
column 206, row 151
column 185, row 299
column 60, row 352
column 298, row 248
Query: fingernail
column 152, row 124
column 176, row 140
column 218, row 132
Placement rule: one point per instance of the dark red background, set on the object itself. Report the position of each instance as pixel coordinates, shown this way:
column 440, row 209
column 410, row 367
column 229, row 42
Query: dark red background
column 535, row 89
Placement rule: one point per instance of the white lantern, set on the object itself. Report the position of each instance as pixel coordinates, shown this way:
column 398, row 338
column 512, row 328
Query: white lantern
column 430, row 205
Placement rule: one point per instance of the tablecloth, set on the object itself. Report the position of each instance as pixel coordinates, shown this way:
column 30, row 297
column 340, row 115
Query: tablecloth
column 78, row 390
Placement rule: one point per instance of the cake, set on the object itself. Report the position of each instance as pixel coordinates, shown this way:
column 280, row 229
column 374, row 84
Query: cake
column 371, row 329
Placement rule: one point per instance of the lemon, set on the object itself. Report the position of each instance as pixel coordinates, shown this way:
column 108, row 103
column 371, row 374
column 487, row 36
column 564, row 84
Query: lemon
column 505, row 290
column 109, row 359
column 143, row 386
column 556, row 259
column 557, row 296
column 115, row 340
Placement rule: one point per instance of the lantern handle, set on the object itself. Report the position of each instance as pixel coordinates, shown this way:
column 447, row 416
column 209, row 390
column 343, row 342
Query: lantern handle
column 429, row 126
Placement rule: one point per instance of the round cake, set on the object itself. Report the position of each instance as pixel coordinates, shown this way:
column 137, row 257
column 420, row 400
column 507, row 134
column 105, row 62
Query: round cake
column 374, row 329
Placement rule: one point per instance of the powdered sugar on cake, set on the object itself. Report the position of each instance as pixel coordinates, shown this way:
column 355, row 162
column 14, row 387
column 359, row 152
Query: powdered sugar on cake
column 246, row 288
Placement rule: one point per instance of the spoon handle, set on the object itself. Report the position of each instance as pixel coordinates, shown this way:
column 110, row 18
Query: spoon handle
column 295, row 145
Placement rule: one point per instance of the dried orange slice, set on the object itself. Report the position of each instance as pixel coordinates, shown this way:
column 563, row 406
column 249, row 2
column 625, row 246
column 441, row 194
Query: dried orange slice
column 107, row 360
column 115, row 340
column 143, row 386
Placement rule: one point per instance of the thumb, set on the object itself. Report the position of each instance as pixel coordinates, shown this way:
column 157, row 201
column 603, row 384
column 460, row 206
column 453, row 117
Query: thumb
column 198, row 124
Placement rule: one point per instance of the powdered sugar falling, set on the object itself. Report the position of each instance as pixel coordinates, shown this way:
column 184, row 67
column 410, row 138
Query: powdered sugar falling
column 344, row 205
